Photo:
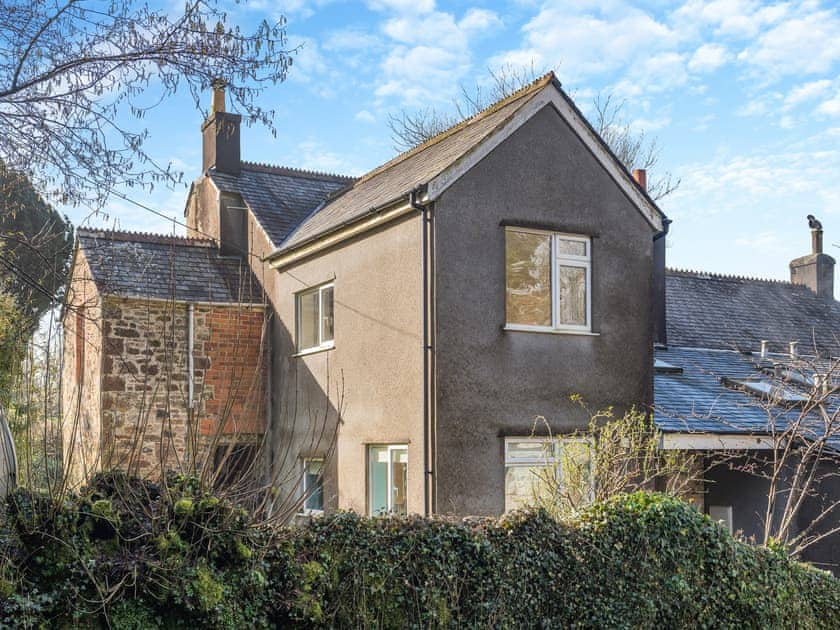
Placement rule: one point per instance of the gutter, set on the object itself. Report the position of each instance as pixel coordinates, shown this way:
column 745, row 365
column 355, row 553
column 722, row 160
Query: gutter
column 429, row 424
column 374, row 217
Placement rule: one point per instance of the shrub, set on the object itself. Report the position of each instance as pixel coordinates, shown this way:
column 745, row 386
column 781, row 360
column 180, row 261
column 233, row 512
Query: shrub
column 127, row 554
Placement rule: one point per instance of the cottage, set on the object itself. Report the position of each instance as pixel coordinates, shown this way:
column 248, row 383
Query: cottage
column 394, row 338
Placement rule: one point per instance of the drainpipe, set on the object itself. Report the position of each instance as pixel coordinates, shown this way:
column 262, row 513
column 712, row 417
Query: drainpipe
column 428, row 349
column 190, row 358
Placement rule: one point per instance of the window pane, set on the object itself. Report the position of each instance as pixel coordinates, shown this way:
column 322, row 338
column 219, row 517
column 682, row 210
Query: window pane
column 378, row 456
column 527, row 485
column 569, row 247
column 572, row 285
column 308, row 320
column 528, row 278
column 576, row 471
column 327, row 315
column 399, row 477
column 530, row 450
column 313, row 485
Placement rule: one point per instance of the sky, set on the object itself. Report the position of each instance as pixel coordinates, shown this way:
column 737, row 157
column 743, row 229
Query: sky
column 743, row 98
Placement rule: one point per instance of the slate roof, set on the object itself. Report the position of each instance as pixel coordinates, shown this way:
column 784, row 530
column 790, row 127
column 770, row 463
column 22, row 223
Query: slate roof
column 733, row 313
column 696, row 401
column 280, row 198
column 412, row 168
column 130, row 264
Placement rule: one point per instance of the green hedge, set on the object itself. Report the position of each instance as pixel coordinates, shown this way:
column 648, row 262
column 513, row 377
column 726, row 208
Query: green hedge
column 127, row 554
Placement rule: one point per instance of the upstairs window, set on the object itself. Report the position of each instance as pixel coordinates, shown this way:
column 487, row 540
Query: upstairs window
column 547, row 281
column 315, row 329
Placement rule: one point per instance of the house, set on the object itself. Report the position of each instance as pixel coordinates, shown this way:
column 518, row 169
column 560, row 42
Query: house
column 415, row 334
column 419, row 317
column 164, row 359
column 742, row 359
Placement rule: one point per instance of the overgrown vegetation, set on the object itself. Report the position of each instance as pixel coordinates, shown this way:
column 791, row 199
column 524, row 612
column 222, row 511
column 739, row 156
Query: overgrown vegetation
column 130, row 554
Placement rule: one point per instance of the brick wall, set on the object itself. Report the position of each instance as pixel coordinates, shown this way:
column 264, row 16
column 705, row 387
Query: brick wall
column 148, row 424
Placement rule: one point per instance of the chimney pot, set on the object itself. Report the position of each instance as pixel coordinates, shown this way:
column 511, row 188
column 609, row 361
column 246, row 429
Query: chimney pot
column 816, row 241
column 792, row 346
column 218, row 101
column 816, row 270
column 220, row 135
column 640, row 175
column 764, row 346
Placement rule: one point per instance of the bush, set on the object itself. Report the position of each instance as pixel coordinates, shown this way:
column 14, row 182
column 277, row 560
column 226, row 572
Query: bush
column 128, row 554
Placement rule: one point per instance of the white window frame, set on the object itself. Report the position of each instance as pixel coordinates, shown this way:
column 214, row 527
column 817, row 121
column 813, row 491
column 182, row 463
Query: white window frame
column 390, row 477
column 305, row 490
column 551, row 454
column 722, row 514
column 322, row 343
column 558, row 260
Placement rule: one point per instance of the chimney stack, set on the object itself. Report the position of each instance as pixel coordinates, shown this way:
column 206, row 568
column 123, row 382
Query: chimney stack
column 640, row 175
column 816, row 270
column 220, row 135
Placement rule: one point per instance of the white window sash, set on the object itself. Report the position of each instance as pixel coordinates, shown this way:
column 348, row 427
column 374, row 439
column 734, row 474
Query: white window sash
column 562, row 260
column 306, row 490
column 319, row 325
column 389, row 494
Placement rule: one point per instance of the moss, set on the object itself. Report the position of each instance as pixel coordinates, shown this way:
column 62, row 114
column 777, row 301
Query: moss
column 207, row 590
column 208, row 503
column 243, row 551
column 103, row 508
column 7, row 588
column 183, row 507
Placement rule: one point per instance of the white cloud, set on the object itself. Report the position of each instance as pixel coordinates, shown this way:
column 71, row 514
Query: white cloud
column 830, row 106
column 430, row 54
column 807, row 44
column 708, row 57
column 650, row 124
column 589, row 43
column 806, row 92
column 410, row 7
column 479, row 20
column 315, row 156
column 740, row 19
column 365, row 116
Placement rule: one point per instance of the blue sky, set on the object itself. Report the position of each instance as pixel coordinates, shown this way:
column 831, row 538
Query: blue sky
column 743, row 97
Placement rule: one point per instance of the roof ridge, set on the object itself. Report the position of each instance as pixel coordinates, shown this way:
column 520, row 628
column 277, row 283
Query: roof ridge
column 146, row 237
column 706, row 275
column 262, row 167
column 493, row 107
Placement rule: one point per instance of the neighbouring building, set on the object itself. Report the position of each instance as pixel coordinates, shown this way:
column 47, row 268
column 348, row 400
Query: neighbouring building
column 164, row 355
column 738, row 375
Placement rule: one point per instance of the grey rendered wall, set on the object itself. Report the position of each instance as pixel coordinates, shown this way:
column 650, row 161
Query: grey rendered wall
column 491, row 383
column 373, row 376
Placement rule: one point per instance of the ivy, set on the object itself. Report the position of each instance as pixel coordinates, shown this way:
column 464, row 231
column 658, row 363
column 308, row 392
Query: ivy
column 124, row 553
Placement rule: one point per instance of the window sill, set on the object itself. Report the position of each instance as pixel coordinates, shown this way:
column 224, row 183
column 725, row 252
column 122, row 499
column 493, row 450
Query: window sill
column 309, row 351
column 311, row 513
column 549, row 331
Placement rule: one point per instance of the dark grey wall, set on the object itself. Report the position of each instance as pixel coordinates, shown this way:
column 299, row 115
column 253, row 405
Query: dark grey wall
column 492, row 382
column 824, row 553
column 746, row 493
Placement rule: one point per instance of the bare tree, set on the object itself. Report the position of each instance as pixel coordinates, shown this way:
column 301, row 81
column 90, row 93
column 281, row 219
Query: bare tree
column 634, row 149
column 802, row 464
column 78, row 76
column 613, row 454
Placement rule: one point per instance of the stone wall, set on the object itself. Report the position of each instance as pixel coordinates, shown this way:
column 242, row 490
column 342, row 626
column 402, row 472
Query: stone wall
column 148, row 421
